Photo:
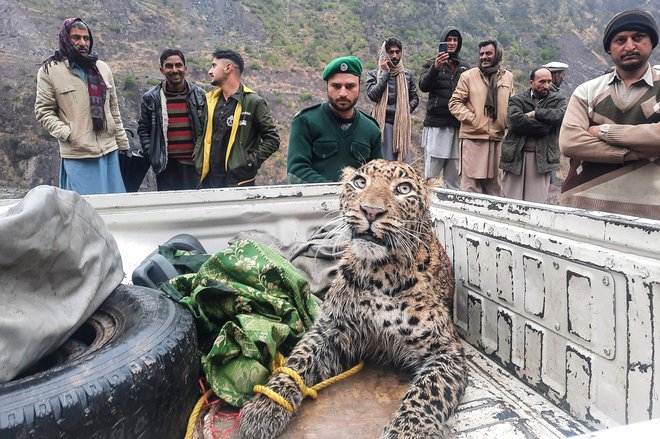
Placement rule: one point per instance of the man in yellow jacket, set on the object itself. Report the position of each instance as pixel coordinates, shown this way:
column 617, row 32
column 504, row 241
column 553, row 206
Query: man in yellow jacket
column 77, row 104
column 480, row 103
column 239, row 131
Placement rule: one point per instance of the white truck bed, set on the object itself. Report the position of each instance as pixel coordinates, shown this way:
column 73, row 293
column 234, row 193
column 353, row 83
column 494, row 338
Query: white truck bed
column 558, row 307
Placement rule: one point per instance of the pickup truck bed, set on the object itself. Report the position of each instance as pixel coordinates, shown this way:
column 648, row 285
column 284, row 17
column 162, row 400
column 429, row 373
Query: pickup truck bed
column 558, row 307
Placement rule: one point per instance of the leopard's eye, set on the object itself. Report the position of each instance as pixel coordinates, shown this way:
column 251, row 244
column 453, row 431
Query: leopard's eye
column 359, row 182
column 404, row 188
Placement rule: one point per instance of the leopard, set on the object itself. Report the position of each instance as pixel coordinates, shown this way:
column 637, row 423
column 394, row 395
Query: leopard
column 390, row 304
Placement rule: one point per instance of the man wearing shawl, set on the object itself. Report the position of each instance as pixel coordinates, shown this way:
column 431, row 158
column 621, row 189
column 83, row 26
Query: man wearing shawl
column 480, row 103
column 392, row 88
column 77, row 104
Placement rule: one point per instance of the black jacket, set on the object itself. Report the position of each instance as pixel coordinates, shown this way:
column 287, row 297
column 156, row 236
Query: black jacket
column 544, row 126
column 440, row 84
column 376, row 88
column 150, row 126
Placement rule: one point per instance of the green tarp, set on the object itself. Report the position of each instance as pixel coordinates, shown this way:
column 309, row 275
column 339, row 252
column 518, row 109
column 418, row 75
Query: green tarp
column 251, row 302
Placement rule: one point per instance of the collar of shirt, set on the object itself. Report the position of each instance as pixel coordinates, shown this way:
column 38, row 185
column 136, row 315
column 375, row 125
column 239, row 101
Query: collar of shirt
column 646, row 77
column 78, row 69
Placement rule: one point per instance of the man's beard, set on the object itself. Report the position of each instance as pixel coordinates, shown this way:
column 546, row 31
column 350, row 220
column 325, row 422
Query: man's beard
column 341, row 105
column 634, row 66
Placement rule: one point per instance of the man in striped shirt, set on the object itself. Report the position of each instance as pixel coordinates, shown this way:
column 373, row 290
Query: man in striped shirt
column 169, row 124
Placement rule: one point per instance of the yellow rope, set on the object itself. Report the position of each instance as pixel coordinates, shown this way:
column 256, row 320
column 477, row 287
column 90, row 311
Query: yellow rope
column 306, row 391
column 352, row 371
column 195, row 413
column 274, row 396
column 278, row 361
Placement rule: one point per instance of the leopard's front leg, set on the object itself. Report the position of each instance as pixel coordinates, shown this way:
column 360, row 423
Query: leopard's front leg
column 436, row 390
column 318, row 356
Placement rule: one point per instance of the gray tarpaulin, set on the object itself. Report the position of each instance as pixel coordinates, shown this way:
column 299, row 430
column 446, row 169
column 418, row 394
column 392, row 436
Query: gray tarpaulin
column 58, row 263
column 316, row 259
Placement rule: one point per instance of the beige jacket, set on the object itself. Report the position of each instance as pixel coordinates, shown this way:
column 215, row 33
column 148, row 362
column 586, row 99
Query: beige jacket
column 62, row 107
column 468, row 101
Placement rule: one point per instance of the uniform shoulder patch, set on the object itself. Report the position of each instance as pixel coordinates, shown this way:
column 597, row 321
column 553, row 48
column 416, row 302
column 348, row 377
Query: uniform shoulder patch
column 305, row 110
column 369, row 116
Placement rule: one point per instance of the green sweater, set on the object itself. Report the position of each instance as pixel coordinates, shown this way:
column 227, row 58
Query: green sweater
column 319, row 148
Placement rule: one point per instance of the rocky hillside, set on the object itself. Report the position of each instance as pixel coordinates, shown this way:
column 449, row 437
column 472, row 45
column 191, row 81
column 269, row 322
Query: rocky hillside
column 285, row 43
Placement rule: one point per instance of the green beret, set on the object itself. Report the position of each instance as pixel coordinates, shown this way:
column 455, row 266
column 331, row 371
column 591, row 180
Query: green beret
column 346, row 64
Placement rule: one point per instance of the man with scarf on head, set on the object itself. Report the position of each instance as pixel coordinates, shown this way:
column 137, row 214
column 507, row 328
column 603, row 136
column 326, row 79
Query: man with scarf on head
column 611, row 129
column 77, row 104
column 392, row 88
column 480, row 103
column 442, row 148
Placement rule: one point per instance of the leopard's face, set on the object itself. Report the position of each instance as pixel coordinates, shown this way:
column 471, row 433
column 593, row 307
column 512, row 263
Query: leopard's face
column 385, row 208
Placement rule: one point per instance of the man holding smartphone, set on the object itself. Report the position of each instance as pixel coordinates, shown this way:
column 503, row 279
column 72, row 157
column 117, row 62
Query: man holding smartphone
column 392, row 88
column 440, row 135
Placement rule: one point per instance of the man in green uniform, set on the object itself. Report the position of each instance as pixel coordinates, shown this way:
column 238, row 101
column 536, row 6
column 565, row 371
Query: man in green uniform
column 327, row 137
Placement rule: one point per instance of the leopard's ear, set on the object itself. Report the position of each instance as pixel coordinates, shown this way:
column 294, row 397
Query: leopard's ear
column 347, row 174
column 436, row 183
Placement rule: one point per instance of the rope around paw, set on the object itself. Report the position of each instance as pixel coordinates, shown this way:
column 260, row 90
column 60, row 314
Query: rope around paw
column 306, row 391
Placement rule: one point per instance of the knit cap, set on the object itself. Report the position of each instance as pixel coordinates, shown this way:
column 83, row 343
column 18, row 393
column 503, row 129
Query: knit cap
column 345, row 64
column 630, row 20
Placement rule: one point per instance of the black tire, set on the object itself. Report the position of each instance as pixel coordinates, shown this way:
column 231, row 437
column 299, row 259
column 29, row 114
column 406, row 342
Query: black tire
column 141, row 383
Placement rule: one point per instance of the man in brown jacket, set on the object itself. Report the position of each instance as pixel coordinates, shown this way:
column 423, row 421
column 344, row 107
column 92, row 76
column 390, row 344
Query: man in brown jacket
column 480, row 104
column 77, row 104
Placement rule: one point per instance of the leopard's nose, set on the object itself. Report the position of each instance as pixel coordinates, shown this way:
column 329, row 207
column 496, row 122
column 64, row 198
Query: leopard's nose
column 372, row 213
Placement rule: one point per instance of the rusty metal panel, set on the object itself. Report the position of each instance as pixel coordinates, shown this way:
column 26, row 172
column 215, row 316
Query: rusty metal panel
column 533, row 353
column 473, row 262
column 505, row 335
column 534, row 289
column 567, row 300
column 504, row 262
column 640, row 365
column 579, row 375
column 655, row 339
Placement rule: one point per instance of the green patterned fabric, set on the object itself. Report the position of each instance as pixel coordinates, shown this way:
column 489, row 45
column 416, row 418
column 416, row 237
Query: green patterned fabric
column 252, row 302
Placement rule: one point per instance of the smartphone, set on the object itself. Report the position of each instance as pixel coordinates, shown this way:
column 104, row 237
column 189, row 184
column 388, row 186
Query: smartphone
column 442, row 47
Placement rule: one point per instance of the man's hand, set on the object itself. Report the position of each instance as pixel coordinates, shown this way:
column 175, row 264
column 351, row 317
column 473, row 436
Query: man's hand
column 635, row 155
column 530, row 114
column 440, row 59
column 383, row 62
column 630, row 155
column 594, row 130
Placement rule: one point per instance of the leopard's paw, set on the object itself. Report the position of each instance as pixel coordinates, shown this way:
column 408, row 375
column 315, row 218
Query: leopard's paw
column 263, row 418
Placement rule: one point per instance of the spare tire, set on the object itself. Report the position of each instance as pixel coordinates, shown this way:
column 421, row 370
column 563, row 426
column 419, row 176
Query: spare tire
column 137, row 377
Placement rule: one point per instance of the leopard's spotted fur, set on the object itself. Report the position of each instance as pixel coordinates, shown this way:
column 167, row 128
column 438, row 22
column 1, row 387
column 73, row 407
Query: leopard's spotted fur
column 390, row 304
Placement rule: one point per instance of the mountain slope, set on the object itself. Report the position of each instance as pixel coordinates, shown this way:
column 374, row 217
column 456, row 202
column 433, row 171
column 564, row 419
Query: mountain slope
column 285, row 44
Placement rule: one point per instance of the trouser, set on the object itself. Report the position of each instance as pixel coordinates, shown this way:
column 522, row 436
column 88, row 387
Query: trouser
column 480, row 171
column 488, row 186
column 435, row 166
column 529, row 185
column 387, row 145
column 177, row 176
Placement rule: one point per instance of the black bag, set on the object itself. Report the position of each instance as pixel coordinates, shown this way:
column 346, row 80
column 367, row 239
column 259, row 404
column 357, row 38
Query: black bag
column 133, row 165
